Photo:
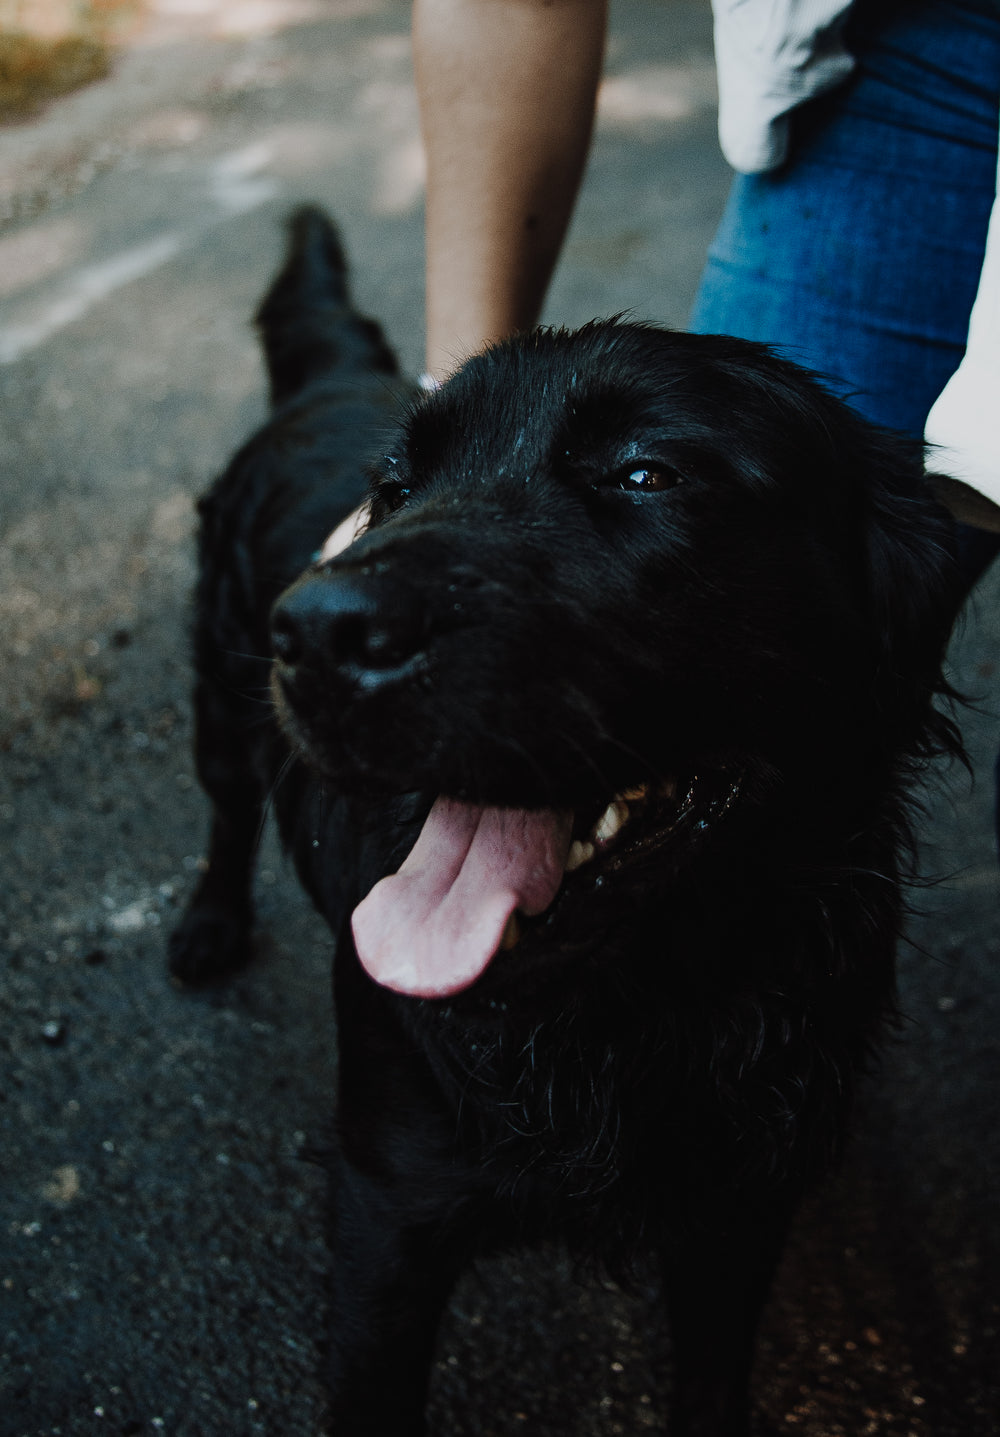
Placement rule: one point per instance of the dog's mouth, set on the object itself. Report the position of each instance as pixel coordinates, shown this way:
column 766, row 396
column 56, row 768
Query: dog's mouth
column 480, row 878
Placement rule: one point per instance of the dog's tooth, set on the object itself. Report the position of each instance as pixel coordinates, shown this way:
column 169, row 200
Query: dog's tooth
column 579, row 854
column 610, row 821
column 511, row 933
column 634, row 795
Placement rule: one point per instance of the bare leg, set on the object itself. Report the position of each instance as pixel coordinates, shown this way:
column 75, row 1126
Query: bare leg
column 507, row 91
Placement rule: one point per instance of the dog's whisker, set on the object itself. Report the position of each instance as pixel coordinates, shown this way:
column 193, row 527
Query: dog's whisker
column 255, row 658
column 269, row 800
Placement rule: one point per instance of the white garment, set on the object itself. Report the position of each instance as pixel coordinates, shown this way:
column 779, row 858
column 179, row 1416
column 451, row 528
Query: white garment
column 771, row 56
column 964, row 422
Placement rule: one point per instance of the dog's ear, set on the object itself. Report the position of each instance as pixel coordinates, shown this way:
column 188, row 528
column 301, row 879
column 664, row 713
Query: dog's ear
column 914, row 592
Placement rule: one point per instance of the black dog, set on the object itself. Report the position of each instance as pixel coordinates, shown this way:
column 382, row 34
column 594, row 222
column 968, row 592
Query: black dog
column 601, row 734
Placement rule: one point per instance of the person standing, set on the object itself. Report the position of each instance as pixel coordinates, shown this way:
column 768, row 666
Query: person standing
column 865, row 140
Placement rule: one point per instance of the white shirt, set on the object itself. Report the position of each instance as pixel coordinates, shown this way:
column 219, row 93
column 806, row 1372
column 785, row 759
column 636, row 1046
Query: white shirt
column 771, row 55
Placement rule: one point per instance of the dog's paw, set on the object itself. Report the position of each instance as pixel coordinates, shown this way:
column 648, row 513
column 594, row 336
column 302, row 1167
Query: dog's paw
column 209, row 943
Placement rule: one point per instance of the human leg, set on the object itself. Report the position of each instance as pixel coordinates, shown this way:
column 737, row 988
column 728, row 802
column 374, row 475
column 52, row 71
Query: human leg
column 507, row 91
column 860, row 257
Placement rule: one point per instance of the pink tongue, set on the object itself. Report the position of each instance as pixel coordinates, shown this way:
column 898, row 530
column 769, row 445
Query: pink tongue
column 432, row 928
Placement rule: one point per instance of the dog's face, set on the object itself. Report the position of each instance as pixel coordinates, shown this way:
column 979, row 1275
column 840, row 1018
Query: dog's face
column 614, row 584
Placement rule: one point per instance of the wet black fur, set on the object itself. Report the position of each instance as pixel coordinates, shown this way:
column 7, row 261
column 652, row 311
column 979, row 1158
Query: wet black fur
column 669, row 1056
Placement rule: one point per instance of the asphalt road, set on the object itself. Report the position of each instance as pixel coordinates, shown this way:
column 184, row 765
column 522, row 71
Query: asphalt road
column 161, row 1253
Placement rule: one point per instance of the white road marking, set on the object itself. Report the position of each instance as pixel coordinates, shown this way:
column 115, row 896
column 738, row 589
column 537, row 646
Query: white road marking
column 234, row 187
column 233, row 181
column 83, row 289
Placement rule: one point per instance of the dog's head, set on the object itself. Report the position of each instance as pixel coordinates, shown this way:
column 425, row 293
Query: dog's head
column 616, row 586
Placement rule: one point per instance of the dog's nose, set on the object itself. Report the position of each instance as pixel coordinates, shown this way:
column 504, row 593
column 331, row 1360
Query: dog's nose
column 339, row 621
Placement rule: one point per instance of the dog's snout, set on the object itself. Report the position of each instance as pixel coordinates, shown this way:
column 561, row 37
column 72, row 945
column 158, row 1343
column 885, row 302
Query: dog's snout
column 341, row 622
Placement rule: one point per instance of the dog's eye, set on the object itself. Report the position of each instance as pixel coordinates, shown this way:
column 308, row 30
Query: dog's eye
column 646, row 478
column 392, row 495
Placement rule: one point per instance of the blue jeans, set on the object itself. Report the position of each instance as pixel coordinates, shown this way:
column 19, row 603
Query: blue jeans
column 860, row 257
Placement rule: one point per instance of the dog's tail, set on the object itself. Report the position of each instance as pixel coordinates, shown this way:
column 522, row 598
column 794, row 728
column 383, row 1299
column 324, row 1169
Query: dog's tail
column 308, row 326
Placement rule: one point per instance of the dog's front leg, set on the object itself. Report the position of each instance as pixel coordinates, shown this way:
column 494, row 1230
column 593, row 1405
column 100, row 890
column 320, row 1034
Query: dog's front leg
column 404, row 1213
column 716, row 1286
column 392, row 1273
column 213, row 937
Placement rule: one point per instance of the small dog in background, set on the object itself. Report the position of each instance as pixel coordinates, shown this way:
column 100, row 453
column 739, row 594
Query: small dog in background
column 601, row 733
